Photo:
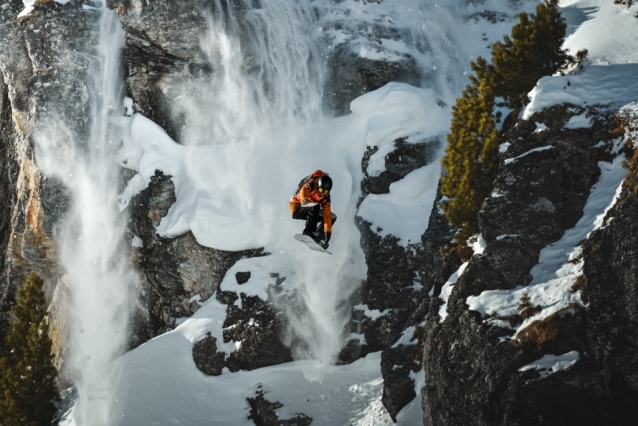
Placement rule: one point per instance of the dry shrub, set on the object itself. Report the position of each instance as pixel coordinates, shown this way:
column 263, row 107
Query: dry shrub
column 464, row 252
column 419, row 334
column 530, row 311
column 512, row 319
column 540, row 331
column 526, row 302
column 579, row 284
column 627, row 3
column 624, row 127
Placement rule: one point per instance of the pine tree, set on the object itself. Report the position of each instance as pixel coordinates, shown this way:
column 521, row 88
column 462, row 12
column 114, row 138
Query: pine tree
column 471, row 154
column 28, row 378
column 533, row 51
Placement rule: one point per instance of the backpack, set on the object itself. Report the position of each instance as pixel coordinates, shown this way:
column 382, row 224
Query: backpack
column 316, row 174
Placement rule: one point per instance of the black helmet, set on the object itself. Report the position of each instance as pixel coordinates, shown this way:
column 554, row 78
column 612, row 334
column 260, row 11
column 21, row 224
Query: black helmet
column 324, row 183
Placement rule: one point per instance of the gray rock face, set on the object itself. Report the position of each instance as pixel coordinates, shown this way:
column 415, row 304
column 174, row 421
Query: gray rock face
column 207, row 359
column 162, row 47
column 539, row 194
column 164, row 55
column 399, row 279
column 610, row 292
column 351, row 76
column 398, row 387
column 8, row 195
column 259, row 327
column 177, row 273
column 404, row 159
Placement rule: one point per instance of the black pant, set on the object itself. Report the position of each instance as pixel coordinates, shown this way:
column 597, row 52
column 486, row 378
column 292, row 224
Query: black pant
column 314, row 219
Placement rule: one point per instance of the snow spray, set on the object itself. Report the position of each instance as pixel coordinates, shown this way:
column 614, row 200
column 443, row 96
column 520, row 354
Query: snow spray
column 255, row 107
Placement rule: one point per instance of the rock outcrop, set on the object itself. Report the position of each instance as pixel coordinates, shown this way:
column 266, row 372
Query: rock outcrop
column 361, row 62
column 177, row 274
column 41, row 80
column 263, row 412
column 538, row 195
column 399, row 280
column 610, row 294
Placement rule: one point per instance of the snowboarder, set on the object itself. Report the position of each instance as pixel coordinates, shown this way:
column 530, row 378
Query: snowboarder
column 311, row 203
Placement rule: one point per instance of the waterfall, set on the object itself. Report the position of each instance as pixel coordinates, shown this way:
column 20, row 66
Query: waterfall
column 267, row 74
column 93, row 253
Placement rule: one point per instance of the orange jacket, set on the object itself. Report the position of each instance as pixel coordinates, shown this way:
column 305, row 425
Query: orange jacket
column 310, row 192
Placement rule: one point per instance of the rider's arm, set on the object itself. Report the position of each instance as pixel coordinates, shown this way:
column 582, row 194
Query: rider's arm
column 304, row 193
column 327, row 218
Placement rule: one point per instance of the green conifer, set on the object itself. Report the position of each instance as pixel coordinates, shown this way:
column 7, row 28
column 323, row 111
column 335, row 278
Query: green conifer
column 27, row 375
column 533, row 51
column 471, row 155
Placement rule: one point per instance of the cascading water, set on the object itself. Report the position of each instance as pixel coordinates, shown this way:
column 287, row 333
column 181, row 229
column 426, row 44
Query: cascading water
column 103, row 285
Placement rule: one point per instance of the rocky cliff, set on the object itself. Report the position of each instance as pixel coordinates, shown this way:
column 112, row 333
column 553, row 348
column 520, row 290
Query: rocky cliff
column 537, row 198
column 475, row 320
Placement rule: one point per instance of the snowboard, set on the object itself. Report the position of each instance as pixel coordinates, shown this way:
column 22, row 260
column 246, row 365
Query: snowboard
column 312, row 245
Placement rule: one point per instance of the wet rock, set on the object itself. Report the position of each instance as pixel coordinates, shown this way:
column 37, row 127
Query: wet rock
column 207, row 359
column 264, row 413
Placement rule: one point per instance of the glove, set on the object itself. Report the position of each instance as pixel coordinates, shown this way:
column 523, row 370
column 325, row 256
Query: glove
column 304, row 201
column 326, row 239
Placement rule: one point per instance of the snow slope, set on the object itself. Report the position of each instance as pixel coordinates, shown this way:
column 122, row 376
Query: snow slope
column 161, row 374
column 609, row 32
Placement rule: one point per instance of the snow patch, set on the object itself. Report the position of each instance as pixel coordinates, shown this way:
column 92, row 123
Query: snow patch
column 373, row 314
column 539, row 149
column 578, row 122
column 137, row 242
column 540, row 127
column 446, row 290
column 403, row 211
column 596, row 84
column 550, row 364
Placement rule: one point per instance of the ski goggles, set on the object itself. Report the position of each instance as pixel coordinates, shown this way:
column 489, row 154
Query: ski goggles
column 324, row 191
